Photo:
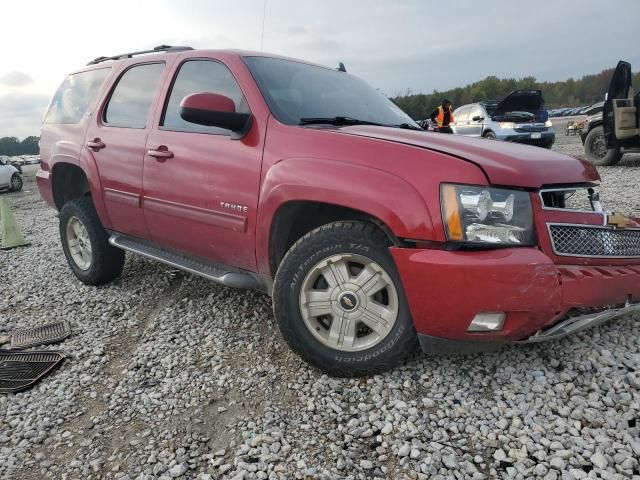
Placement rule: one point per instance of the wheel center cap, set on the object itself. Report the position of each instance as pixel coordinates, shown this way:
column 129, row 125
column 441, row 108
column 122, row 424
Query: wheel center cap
column 348, row 301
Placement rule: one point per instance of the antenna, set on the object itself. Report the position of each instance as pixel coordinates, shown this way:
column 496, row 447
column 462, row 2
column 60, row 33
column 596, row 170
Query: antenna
column 264, row 14
column 341, row 67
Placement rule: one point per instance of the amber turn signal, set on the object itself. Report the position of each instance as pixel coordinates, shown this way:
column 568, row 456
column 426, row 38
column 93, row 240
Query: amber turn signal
column 451, row 212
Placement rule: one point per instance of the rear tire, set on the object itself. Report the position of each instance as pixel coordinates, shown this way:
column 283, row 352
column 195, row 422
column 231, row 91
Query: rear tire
column 489, row 135
column 346, row 268
column 596, row 151
column 86, row 244
column 16, row 183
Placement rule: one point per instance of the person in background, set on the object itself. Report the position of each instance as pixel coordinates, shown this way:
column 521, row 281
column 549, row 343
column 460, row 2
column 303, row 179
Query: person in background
column 443, row 117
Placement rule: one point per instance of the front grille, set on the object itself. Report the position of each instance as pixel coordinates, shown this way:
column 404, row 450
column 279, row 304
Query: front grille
column 530, row 128
column 592, row 241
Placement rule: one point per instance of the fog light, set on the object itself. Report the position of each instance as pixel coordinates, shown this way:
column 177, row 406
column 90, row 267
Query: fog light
column 487, row 322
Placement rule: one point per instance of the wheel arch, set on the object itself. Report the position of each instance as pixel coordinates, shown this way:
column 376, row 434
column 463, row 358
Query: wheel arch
column 488, row 130
column 69, row 182
column 74, row 178
column 296, row 218
column 302, row 194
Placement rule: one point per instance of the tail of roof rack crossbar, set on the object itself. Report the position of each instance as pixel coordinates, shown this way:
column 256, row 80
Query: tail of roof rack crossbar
column 160, row 48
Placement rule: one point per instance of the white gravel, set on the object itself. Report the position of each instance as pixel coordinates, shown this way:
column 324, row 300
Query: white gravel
column 171, row 376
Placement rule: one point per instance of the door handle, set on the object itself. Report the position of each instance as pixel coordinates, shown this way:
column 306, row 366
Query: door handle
column 161, row 154
column 96, row 144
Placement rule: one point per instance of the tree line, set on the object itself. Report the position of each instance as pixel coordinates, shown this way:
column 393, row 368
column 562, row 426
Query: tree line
column 566, row 93
column 12, row 146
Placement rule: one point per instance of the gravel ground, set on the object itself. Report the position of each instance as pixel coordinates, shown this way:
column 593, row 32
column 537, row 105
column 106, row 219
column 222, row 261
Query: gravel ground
column 171, row 376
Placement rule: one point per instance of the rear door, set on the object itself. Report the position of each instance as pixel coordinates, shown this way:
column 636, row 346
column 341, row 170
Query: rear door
column 117, row 139
column 619, row 113
column 202, row 200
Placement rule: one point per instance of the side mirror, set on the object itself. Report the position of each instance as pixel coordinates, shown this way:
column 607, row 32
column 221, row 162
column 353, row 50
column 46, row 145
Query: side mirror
column 213, row 110
column 477, row 118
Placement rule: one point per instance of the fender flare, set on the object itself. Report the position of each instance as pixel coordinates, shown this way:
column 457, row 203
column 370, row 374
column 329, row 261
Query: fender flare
column 86, row 162
column 401, row 207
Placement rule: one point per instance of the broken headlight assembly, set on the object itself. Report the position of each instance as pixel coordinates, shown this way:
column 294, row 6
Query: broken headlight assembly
column 484, row 215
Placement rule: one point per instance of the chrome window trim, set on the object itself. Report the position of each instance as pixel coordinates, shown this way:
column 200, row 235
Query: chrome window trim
column 586, row 225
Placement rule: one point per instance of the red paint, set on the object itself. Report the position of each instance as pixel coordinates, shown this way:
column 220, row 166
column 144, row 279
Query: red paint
column 208, row 101
column 215, row 196
column 446, row 289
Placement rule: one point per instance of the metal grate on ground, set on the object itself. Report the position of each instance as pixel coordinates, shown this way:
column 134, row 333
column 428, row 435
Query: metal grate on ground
column 20, row 370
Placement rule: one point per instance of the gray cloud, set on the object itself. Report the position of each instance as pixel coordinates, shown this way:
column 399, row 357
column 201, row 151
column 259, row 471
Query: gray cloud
column 15, row 79
column 395, row 45
column 21, row 114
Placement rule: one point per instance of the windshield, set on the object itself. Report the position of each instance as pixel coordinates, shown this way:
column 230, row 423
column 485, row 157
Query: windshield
column 295, row 91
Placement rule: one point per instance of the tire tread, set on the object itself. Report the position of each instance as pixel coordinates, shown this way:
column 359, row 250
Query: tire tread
column 335, row 232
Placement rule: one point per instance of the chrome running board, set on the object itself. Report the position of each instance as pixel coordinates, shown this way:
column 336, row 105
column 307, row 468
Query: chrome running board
column 228, row 276
column 582, row 322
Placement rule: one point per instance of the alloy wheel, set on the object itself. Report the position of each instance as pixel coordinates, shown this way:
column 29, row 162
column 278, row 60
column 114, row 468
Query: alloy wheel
column 349, row 302
column 79, row 243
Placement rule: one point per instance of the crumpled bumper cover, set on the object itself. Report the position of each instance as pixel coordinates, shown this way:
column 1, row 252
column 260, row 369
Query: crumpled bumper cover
column 446, row 289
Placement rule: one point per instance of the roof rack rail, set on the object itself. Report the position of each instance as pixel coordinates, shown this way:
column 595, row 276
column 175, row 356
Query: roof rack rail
column 160, row 48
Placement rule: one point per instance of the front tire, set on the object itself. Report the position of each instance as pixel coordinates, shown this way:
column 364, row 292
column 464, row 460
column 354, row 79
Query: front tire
column 490, row 135
column 86, row 244
column 16, row 183
column 596, row 151
column 339, row 302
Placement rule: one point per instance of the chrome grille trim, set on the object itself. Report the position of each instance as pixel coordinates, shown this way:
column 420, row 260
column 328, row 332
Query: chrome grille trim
column 569, row 209
column 593, row 241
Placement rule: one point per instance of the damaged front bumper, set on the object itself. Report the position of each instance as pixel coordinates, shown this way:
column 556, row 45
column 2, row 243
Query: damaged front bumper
column 540, row 300
column 577, row 323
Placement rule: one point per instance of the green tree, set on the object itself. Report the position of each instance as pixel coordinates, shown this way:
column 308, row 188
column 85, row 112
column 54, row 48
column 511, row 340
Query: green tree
column 12, row 146
column 567, row 93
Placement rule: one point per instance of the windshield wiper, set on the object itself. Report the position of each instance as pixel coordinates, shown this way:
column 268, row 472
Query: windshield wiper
column 336, row 121
column 406, row 126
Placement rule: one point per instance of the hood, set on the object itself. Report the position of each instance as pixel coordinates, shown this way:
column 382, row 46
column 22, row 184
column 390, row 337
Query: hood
column 529, row 101
column 503, row 163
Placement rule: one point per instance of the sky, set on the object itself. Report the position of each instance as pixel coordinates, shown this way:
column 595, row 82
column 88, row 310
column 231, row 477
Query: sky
column 395, row 45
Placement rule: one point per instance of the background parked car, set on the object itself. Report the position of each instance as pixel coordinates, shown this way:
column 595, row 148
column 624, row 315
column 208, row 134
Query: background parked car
column 9, row 177
column 519, row 117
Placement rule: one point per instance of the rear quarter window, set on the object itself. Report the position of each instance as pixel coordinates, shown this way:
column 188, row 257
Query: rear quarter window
column 133, row 95
column 75, row 96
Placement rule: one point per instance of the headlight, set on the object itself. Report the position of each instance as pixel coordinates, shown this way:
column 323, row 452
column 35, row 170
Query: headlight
column 487, row 215
column 507, row 125
column 548, row 124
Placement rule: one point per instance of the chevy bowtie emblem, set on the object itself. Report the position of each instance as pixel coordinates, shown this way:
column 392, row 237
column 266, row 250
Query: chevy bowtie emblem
column 348, row 301
column 618, row 220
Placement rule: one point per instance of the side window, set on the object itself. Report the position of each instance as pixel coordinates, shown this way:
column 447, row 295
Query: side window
column 199, row 76
column 476, row 111
column 131, row 99
column 463, row 115
column 74, row 97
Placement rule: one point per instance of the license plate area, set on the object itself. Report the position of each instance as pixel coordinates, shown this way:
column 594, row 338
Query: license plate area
column 536, row 136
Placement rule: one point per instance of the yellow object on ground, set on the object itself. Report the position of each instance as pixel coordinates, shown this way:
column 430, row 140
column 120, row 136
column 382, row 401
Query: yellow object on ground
column 10, row 233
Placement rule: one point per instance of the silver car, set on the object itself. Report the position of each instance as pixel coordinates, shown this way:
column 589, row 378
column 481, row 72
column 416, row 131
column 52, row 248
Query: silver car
column 519, row 117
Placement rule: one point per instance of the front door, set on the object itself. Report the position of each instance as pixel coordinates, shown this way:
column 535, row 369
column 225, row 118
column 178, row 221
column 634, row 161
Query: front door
column 117, row 138
column 476, row 119
column 460, row 120
column 201, row 184
column 618, row 113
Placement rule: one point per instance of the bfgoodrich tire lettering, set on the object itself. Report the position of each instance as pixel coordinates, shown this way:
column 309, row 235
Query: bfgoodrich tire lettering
column 106, row 261
column 349, row 239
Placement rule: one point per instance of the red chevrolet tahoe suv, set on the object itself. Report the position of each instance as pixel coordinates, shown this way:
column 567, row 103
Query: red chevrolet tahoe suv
column 371, row 235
